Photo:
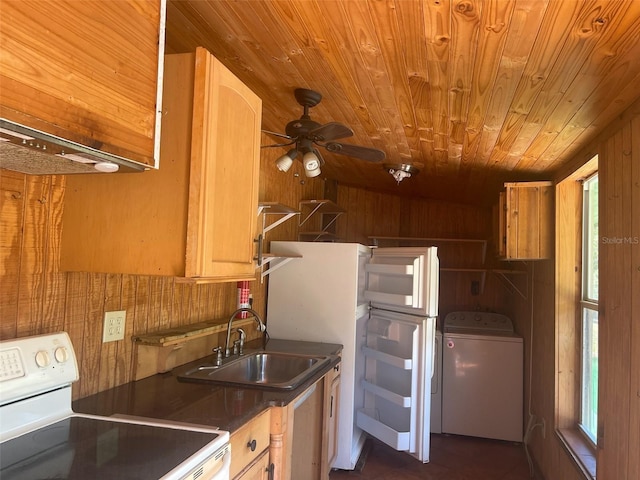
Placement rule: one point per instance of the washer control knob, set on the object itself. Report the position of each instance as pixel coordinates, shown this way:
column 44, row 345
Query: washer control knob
column 42, row 359
column 61, row 354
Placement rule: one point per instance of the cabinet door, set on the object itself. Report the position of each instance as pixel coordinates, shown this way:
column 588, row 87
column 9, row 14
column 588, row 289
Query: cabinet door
column 528, row 220
column 501, row 227
column 258, row 471
column 332, row 401
column 85, row 71
column 225, row 171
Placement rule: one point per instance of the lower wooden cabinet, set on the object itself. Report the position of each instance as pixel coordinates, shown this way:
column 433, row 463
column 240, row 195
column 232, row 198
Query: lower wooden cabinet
column 304, row 432
column 248, row 443
column 297, row 441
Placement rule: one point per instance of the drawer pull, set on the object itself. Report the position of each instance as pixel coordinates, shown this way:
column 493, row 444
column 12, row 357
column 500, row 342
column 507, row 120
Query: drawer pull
column 252, row 445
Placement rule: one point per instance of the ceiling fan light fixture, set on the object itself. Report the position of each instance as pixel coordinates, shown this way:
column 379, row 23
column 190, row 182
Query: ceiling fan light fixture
column 285, row 161
column 400, row 171
column 311, row 164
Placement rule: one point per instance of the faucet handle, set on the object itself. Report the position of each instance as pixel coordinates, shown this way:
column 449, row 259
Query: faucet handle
column 240, row 341
column 218, row 352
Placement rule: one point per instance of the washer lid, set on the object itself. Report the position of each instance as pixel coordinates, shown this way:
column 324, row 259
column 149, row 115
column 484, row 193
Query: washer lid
column 485, row 322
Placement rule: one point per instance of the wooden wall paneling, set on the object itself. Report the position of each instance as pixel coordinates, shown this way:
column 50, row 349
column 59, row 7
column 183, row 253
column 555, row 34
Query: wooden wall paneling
column 359, row 217
column 634, row 393
column 124, row 363
column 75, row 311
column 53, row 280
column 12, row 192
column 166, row 292
column 346, row 225
column 109, row 351
column 89, row 363
column 142, row 305
column 30, row 287
column 183, row 295
column 615, row 315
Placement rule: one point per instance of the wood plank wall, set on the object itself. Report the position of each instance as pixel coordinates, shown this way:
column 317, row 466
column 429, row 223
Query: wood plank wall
column 618, row 149
column 37, row 298
column 619, row 311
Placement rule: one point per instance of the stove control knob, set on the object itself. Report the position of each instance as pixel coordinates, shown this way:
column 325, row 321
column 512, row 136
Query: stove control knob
column 42, row 359
column 61, row 354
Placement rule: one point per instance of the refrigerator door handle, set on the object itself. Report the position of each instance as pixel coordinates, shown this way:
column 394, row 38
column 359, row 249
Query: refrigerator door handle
column 433, row 357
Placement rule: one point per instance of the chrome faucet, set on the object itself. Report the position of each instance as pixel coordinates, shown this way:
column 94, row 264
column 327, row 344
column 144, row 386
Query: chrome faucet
column 261, row 326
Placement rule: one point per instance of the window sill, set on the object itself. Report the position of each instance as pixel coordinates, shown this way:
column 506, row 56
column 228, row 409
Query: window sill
column 581, row 451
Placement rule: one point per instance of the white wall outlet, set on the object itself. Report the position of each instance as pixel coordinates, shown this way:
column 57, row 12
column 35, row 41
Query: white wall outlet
column 114, row 326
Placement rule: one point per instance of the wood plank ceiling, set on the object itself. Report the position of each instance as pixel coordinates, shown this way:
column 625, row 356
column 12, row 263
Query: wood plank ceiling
column 473, row 92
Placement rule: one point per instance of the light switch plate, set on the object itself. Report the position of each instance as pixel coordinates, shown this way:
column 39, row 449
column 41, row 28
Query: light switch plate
column 114, row 326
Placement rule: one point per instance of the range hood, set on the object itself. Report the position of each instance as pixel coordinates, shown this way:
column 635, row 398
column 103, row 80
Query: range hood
column 24, row 149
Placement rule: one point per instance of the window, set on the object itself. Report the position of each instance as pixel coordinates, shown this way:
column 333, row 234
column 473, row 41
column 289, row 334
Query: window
column 589, row 305
column 576, row 297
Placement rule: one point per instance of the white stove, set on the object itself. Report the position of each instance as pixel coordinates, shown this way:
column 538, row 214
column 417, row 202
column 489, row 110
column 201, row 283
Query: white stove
column 41, row 437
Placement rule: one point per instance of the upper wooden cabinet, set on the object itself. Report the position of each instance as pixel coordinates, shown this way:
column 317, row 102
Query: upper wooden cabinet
column 86, row 71
column 196, row 216
column 524, row 221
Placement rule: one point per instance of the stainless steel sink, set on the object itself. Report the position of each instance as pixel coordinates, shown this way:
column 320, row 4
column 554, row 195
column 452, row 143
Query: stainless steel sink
column 260, row 369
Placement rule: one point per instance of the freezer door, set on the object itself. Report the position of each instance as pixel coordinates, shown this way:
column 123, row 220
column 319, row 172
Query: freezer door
column 403, row 280
column 397, row 381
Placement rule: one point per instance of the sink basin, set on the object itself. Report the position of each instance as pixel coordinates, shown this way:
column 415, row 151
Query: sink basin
column 260, row 369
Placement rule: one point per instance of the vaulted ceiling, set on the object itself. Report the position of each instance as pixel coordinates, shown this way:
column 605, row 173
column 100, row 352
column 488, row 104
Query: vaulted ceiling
column 473, row 92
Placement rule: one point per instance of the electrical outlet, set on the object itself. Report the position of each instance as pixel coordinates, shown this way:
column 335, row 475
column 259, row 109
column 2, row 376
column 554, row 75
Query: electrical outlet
column 544, row 427
column 114, row 326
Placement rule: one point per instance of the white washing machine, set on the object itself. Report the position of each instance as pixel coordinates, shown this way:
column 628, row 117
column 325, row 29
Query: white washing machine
column 482, row 376
column 436, row 386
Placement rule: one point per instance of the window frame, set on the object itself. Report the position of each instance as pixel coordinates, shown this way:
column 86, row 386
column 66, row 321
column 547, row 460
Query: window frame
column 568, row 317
column 587, row 302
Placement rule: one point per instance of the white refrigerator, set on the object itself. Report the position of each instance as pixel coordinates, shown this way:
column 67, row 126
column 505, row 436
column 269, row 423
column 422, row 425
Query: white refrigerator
column 381, row 305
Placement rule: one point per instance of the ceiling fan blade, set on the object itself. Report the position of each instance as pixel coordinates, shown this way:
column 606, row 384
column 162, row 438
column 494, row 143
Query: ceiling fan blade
column 276, row 134
column 279, row 144
column 364, row 153
column 317, row 152
column 330, row 131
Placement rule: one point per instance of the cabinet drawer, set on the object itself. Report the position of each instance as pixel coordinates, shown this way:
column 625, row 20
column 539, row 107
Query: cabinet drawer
column 243, row 449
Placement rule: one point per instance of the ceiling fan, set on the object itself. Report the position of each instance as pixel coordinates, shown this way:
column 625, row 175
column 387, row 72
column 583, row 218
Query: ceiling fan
column 306, row 134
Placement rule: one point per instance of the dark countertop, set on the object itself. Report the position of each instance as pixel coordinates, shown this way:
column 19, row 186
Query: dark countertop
column 164, row 397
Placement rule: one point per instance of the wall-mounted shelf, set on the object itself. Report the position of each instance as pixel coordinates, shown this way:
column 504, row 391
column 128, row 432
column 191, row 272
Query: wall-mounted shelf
column 271, row 209
column 328, row 212
column 273, row 214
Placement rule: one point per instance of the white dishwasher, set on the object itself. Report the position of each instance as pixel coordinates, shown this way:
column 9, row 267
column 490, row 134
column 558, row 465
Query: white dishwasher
column 482, row 376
